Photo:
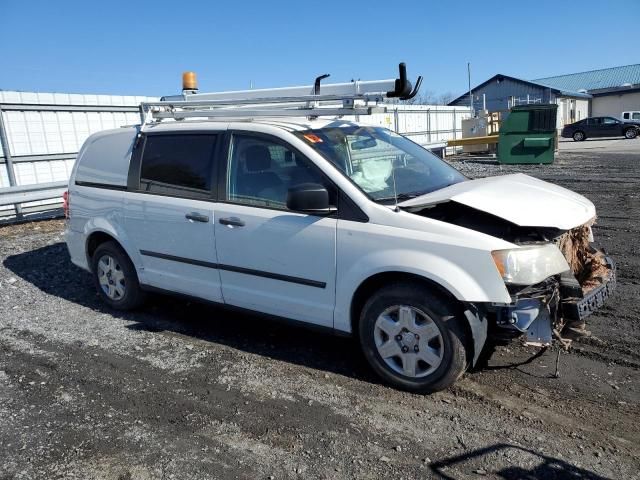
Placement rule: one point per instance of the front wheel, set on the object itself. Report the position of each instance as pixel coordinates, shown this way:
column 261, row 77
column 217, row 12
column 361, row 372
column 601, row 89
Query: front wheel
column 630, row 133
column 413, row 339
column 578, row 136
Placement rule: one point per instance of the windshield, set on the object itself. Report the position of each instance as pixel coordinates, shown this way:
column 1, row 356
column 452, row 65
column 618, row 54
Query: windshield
column 375, row 158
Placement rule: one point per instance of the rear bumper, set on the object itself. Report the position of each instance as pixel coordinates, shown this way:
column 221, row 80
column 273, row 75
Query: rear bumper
column 76, row 246
column 579, row 309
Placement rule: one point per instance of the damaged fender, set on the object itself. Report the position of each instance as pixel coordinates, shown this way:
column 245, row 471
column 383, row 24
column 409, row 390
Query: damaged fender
column 479, row 326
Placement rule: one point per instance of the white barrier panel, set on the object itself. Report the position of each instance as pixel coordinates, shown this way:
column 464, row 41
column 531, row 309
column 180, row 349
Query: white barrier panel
column 56, row 130
column 52, row 132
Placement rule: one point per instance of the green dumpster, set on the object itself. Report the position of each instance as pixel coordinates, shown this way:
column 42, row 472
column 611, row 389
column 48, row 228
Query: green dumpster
column 528, row 134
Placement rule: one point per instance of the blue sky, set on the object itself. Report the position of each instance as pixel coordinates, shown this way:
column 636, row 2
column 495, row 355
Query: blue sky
column 141, row 47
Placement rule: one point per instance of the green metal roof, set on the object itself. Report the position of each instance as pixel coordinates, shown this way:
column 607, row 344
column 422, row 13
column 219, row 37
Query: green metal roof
column 594, row 79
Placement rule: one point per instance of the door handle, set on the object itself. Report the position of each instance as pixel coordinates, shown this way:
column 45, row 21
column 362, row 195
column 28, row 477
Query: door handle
column 232, row 222
column 197, row 217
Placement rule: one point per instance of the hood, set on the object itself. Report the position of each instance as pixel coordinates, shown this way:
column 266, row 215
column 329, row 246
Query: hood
column 520, row 199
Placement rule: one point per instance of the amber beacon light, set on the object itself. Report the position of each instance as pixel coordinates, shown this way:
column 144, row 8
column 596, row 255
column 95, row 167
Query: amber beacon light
column 189, row 81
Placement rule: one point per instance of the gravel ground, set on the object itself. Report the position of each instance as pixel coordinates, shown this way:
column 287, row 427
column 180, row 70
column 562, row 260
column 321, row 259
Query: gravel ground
column 187, row 391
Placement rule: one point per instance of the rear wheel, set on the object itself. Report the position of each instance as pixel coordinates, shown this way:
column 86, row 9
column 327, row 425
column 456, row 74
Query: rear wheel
column 578, row 136
column 115, row 277
column 413, row 339
column 630, row 133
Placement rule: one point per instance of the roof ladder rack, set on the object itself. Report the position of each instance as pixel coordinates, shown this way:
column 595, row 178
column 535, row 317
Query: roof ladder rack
column 337, row 99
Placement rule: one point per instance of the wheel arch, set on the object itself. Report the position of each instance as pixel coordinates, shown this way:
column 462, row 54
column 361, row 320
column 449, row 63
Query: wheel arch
column 378, row 280
column 94, row 240
column 475, row 326
column 98, row 231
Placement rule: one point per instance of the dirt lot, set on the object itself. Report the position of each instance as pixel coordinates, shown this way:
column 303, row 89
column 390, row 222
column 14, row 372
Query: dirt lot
column 185, row 391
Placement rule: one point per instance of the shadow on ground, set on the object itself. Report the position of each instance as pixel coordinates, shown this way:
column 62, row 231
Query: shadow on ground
column 50, row 270
column 546, row 467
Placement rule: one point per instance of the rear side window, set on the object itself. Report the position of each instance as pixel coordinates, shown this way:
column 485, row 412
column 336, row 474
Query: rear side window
column 626, row 115
column 180, row 165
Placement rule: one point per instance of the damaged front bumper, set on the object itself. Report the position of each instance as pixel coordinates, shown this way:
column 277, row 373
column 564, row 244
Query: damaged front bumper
column 581, row 308
column 541, row 311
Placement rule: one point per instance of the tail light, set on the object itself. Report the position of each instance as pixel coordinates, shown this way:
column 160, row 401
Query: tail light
column 65, row 203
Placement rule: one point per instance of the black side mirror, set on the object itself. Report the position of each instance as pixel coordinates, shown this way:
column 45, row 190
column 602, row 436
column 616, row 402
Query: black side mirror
column 310, row 198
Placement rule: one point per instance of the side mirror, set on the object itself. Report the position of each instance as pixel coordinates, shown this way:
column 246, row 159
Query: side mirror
column 310, row 198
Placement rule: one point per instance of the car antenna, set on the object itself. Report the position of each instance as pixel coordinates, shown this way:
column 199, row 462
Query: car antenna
column 395, row 191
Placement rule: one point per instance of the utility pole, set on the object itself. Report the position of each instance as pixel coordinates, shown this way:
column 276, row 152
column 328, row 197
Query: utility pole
column 470, row 92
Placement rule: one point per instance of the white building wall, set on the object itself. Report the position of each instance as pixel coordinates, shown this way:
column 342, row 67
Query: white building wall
column 582, row 109
column 614, row 105
column 571, row 110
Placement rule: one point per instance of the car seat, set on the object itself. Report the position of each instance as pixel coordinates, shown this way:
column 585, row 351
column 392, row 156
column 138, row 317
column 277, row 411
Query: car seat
column 258, row 181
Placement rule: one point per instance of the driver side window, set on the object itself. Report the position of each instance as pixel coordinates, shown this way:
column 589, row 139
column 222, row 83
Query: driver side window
column 260, row 172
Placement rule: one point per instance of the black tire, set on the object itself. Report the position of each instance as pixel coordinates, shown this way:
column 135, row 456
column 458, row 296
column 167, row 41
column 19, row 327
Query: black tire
column 630, row 133
column 447, row 316
column 133, row 295
column 579, row 136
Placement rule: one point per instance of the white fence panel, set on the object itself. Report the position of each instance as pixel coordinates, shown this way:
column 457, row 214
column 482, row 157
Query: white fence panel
column 424, row 124
column 51, row 132
column 54, row 132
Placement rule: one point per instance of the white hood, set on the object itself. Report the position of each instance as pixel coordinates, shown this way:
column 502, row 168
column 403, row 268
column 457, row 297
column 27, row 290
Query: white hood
column 518, row 198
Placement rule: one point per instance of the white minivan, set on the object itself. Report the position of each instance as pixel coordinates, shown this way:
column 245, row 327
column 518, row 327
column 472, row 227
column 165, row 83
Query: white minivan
column 338, row 225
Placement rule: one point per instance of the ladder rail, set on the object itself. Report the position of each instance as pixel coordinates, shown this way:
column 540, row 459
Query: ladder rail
column 289, row 106
column 377, row 98
column 250, row 113
column 338, row 99
column 356, row 87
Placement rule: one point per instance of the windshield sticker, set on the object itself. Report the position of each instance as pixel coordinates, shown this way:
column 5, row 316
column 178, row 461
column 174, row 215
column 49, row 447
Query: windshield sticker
column 312, row 138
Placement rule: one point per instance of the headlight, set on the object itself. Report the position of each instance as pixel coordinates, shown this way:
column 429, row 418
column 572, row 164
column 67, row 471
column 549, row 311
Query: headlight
column 529, row 265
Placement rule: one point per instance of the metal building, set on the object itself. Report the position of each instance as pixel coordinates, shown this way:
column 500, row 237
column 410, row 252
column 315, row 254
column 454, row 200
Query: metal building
column 603, row 92
column 501, row 92
column 614, row 90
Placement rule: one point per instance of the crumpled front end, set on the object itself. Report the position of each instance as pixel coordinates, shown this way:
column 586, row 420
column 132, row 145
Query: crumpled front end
column 592, row 269
column 533, row 215
column 559, row 305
